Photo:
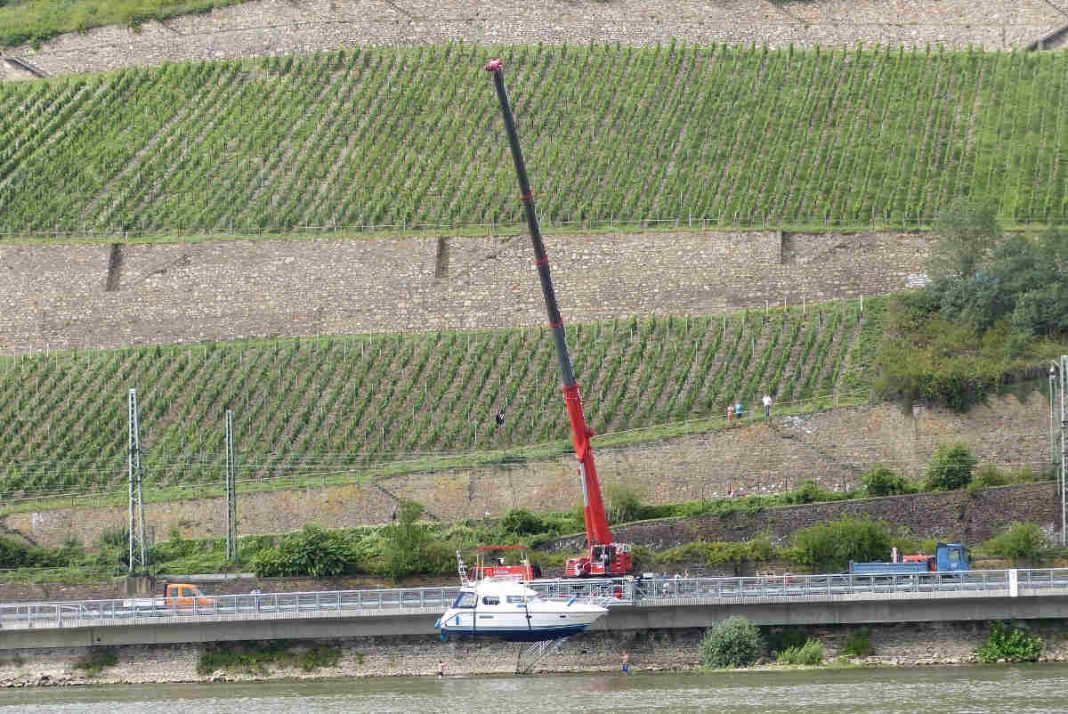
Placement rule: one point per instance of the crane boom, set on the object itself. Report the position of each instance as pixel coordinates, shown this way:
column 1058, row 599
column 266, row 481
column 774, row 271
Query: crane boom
column 605, row 557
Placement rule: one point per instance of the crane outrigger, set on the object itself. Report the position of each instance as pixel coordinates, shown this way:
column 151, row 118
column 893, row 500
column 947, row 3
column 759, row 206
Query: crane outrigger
column 604, row 557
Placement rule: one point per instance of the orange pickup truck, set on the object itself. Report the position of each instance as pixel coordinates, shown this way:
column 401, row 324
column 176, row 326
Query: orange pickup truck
column 181, row 596
column 176, row 596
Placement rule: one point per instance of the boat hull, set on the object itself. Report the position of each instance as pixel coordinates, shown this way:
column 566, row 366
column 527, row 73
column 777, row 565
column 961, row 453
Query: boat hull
column 548, row 633
column 517, row 625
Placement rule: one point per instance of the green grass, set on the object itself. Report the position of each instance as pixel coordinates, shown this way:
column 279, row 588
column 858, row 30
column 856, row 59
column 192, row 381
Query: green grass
column 406, row 137
column 260, row 657
column 373, row 405
column 35, row 21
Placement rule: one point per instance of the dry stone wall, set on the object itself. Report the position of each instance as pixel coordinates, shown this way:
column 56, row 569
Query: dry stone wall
column 649, row 650
column 266, row 27
column 957, row 517
column 831, row 448
column 64, row 296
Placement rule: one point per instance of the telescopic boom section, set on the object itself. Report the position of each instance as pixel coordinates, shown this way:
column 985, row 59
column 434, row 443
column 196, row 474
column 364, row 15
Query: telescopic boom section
column 597, row 531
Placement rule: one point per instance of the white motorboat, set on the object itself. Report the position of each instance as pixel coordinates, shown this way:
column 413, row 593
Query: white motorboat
column 505, row 608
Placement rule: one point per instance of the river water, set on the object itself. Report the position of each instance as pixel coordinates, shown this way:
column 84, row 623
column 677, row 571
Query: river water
column 1035, row 688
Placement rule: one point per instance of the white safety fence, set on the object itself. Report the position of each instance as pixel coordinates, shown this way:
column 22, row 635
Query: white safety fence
column 634, row 592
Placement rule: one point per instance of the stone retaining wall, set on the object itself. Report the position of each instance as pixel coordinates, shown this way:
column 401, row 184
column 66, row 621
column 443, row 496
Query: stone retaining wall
column 957, row 516
column 62, row 296
column 268, row 27
column 650, row 650
column 831, row 448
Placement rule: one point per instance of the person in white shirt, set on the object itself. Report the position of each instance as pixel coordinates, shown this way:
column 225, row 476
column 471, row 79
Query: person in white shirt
column 767, row 405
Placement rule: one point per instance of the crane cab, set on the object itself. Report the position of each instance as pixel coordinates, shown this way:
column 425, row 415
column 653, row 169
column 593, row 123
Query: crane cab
column 602, row 561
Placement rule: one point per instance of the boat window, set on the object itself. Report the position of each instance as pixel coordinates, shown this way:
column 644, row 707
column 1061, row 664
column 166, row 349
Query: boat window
column 514, row 599
column 464, row 599
column 491, row 600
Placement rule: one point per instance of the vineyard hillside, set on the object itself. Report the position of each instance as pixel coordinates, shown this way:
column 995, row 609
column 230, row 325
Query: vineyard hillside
column 404, row 137
column 314, row 406
column 284, row 26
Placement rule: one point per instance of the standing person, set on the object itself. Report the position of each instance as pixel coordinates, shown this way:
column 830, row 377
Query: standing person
column 626, row 662
column 441, row 668
column 738, row 409
column 730, row 412
column 767, row 405
column 499, row 416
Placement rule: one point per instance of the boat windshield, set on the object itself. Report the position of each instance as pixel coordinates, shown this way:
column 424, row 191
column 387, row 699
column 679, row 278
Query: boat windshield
column 466, row 598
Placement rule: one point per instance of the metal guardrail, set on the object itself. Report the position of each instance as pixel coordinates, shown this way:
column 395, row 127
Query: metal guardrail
column 633, row 592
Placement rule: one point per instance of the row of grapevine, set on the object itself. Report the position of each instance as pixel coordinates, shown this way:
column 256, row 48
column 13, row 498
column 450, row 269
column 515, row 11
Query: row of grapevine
column 405, row 136
column 318, row 404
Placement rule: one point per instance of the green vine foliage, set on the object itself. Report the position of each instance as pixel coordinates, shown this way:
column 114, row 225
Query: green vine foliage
column 315, row 406
column 737, row 135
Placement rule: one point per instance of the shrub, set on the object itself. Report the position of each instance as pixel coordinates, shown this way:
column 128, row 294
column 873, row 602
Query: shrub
column 809, row 654
column 1008, row 643
column 809, row 492
column 96, row 662
column 989, row 475
column 623, row 505
column 858, row 644
column 716, row 553
column 734, row 642
column 828, row 547
column 311, row 551
column 881, row 480
column 521, row 522
column 1020, row 541
column 951, row 467
column 15, row 554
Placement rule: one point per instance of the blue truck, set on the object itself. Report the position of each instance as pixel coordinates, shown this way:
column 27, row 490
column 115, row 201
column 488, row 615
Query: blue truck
column 948, row 558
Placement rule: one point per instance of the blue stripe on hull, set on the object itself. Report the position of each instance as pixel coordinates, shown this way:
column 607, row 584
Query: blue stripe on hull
column 548, row 633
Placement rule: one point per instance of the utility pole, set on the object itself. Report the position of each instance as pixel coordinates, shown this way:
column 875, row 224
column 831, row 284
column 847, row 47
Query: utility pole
column 136, row 522
column 1053, row 371
column 1062, row 480
column 231, row 491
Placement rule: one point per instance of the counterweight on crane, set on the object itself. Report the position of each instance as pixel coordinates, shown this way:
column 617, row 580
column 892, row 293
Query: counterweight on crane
column 604, row 557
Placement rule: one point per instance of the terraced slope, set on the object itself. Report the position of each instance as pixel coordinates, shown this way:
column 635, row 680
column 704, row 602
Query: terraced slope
column 37, row 20
column 320, row 405
column 411, row 136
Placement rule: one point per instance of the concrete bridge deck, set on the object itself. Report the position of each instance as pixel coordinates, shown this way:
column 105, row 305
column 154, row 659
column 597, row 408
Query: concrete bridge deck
column 663, row 603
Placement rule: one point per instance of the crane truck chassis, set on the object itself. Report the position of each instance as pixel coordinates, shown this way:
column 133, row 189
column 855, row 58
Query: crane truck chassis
column 604, row 557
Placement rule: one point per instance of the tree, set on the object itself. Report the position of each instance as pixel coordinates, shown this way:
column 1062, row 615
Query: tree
column 734, row 642
column 881, row 480
column 521, row 522
column 404, row 542
column 967, row 233
column 951, row 467
column 828, row 547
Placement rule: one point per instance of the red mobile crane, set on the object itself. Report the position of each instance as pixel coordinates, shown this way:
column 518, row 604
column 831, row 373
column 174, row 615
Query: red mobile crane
column 604, row 557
